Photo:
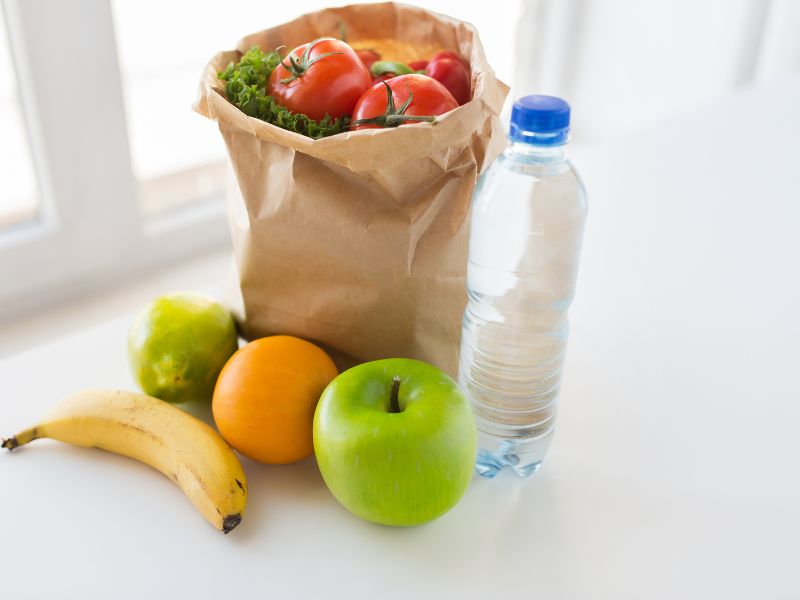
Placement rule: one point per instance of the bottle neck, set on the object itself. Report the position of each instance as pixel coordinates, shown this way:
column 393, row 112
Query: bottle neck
column 537, row 153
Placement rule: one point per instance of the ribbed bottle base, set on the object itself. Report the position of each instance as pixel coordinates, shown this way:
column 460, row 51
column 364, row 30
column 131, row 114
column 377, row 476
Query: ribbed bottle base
column 521, row 456
column 515, row 422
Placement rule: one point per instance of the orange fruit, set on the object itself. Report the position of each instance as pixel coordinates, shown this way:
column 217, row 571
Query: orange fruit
column 265, row 398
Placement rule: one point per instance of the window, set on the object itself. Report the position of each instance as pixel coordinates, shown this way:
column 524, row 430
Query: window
column 91, row 230
column 176, row 155
column 19, row 197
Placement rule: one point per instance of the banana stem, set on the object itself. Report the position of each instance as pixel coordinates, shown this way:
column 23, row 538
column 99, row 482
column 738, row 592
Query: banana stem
column 22, row 438
column 230, row 522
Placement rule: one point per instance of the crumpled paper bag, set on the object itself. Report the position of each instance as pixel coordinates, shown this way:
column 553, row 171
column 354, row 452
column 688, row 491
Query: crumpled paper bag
column 358, row 241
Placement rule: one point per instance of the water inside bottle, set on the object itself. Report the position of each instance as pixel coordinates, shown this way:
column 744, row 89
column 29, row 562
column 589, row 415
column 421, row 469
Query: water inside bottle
column 527, row 226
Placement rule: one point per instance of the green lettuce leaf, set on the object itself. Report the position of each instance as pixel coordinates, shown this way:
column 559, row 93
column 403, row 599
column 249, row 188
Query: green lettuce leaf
column 246, row 88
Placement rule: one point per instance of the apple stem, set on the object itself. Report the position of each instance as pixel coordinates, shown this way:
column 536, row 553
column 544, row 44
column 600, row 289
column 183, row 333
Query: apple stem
column 394, row 402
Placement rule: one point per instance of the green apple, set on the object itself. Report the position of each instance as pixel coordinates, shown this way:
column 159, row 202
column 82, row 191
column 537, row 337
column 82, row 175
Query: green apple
column 395, row 441
column 178, row 345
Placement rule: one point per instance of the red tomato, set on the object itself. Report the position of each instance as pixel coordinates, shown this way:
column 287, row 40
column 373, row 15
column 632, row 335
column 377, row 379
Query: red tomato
column 318, row 83
column 368, row 56
column 451, row 73
column 418, row 65
column 428, row 98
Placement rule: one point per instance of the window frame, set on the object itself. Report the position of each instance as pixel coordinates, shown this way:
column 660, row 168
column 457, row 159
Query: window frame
column 82, row 238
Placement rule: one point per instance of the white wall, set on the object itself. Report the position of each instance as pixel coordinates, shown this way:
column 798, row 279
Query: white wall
column 625, row 63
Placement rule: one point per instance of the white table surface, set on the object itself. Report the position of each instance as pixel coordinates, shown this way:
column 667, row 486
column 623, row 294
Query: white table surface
column 675, row 472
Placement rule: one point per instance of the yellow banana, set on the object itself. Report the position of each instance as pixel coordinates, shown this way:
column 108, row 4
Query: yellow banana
column 156, row 433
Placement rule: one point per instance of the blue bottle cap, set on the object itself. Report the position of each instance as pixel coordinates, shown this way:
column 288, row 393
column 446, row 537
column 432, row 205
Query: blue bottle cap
column 540, row 120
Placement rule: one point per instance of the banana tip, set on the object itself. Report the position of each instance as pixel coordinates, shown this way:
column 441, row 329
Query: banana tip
column 10, row 443
column 231, row 521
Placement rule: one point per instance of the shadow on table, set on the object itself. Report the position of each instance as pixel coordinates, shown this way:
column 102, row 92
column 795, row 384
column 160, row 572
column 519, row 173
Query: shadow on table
column 201, row 410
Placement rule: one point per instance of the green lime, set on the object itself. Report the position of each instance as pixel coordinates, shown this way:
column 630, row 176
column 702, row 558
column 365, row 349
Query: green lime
column 178, row 345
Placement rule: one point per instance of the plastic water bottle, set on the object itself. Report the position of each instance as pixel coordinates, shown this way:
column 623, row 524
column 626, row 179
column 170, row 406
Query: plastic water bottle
column 528, row 215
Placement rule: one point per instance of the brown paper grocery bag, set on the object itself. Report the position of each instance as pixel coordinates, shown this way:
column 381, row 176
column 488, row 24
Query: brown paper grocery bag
column 358, row 241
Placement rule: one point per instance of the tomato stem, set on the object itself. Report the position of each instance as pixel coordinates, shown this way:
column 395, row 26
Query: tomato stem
column 394, row 116
column 394, row 400
column 298, row 66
